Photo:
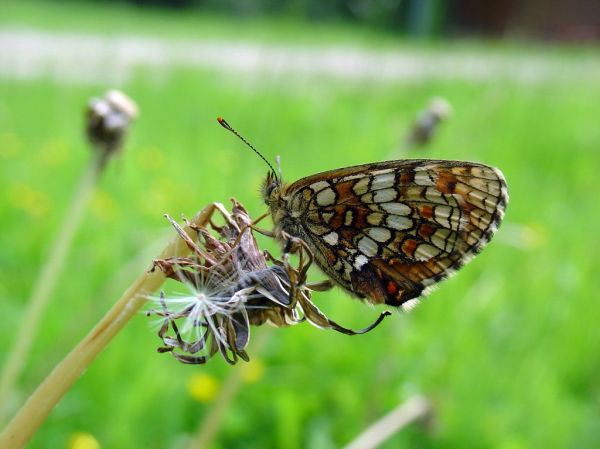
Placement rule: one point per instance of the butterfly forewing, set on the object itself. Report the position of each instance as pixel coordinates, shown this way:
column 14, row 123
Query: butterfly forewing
column 387, row 231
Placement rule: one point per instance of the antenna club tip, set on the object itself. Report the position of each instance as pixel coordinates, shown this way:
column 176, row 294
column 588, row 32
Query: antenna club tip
column 224, row 124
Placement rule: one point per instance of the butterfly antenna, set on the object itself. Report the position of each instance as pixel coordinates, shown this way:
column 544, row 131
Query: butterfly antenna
column 228, row 127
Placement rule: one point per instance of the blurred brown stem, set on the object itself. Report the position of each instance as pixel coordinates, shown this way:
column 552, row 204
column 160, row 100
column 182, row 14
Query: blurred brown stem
column 39, row 405
column 209, row 426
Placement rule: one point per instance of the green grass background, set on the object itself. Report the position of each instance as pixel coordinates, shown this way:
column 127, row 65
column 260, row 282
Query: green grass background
column 508, row 350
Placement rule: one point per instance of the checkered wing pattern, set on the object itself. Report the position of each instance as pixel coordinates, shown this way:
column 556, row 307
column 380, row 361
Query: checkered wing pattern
column 389, row 231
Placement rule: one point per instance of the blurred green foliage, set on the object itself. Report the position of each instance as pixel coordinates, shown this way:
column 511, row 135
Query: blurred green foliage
column 507, row 350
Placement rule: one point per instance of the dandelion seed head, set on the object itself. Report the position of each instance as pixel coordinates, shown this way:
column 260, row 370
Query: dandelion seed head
column 228, row 285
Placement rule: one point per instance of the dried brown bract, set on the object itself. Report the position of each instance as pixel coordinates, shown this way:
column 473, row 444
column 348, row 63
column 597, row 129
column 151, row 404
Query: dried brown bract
column 233, row 284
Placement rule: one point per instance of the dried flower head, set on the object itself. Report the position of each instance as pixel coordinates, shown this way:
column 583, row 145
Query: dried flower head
column 232, row 284
column 428, row 120
column 108, row 120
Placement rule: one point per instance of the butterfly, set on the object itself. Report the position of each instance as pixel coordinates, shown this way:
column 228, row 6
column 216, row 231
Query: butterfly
column 389, row 231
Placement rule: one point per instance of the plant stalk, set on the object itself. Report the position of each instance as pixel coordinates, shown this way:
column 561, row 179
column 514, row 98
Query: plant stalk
column 211, row 424
column 39, row 405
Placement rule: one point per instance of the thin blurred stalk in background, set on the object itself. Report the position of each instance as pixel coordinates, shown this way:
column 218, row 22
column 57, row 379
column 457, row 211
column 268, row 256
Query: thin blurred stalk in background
column 210, row 424
column 417, row 408
column 107, row 123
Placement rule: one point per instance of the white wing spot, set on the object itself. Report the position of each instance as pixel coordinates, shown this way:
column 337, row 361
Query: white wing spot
column 375, row 218
column 327, row 216
column 396, row 208
column 435, row 196
column 362, row 186
column 449, row 217
column 318, row 186
column 367, row 246
column 385, row 196
column 485, row 172
column 442, row 214
column 348, row 218
column 332, row 238
column 379, row 234
column 492, row 187
column 424, row 178
column 425, row 252
column 410, row 304
column 474, row 237
column 441, row 239
column 360, row 261
column 482, row 201
column 384, row 181
column 353, row 177
column 399, row 223
column 383, row 171
column 481, row 218
column 326, row 197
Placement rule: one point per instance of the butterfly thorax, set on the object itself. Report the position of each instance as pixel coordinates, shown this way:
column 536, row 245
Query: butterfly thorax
column 291, row 216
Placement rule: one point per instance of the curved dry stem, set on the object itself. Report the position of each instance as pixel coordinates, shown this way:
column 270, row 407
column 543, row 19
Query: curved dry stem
column 39, row 405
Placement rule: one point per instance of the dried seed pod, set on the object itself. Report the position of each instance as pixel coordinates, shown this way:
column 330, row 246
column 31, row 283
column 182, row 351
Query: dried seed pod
column 428, row 121
column 108, row 120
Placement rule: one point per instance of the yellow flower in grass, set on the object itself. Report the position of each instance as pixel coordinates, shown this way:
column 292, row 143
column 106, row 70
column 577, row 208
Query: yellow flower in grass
column 253, row 371
column 83, row 440
column 203, row 387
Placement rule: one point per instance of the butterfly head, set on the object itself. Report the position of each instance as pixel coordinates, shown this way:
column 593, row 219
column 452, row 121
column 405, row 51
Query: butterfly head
column 271, row 191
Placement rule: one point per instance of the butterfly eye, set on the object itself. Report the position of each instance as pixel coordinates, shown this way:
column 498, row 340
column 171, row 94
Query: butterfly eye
column 267, row 190
column 270, row 188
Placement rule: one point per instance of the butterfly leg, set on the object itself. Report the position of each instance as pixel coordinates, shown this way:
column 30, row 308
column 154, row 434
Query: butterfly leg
column 270, row 258
column 315, row 316
column 321, row 286
column 264, row 232
column 294, row 245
